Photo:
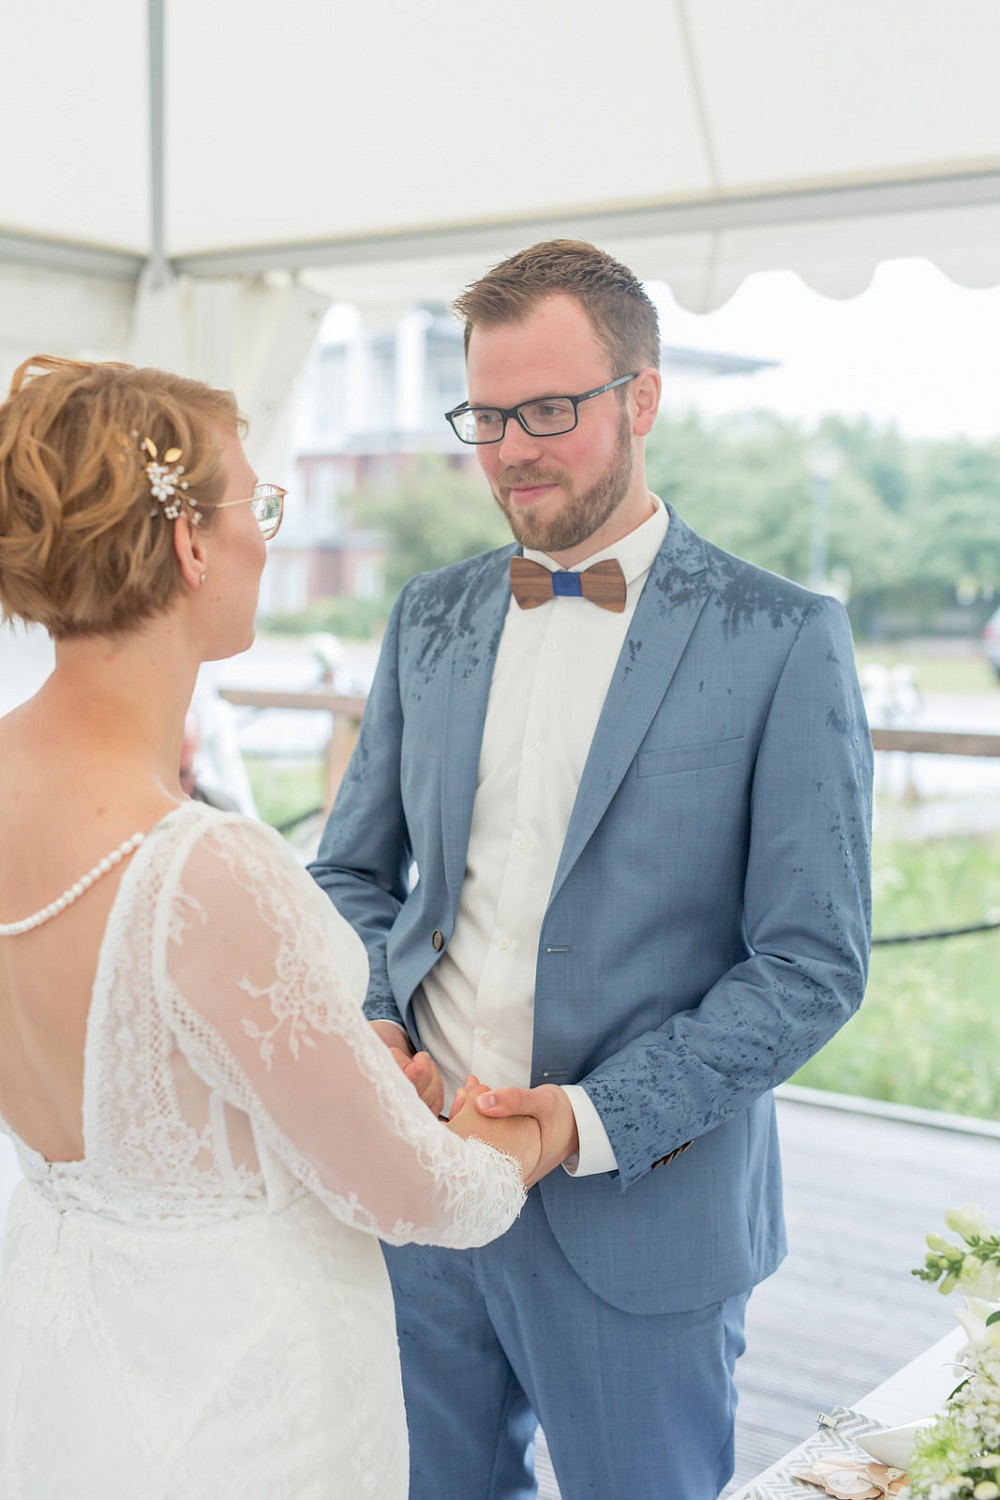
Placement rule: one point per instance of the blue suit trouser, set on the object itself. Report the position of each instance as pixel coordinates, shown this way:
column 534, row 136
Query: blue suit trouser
column 634, row 1406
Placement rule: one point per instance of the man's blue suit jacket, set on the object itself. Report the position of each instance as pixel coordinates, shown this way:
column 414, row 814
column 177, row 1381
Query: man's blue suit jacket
column 709, row 924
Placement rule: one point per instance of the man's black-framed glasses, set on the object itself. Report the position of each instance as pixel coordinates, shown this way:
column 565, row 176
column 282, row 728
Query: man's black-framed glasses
column 547, row 416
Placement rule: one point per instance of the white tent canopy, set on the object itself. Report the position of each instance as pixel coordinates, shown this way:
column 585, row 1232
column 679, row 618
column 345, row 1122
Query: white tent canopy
column 192, row 181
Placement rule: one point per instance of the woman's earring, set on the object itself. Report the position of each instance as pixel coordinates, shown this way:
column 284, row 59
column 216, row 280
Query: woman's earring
column 201, row 580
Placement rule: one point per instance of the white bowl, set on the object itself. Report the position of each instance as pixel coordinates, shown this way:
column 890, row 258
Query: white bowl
column 893, row 1445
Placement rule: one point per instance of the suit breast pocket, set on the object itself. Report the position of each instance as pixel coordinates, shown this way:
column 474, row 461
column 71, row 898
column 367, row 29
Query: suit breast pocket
column 675, row 758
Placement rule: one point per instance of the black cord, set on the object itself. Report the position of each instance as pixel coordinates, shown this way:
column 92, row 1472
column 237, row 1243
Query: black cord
column 879, row 942
column 928, row 937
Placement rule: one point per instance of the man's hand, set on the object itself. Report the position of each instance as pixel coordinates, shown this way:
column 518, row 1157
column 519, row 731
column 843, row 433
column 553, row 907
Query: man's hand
column 547, row 1104
column 418, row 1067
column 518, row 1136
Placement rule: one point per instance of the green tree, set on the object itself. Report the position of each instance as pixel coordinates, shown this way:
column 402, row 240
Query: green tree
column 913, row 525
column 879, row 455
column 955, row 516
column 745, row 483
column 435, row 514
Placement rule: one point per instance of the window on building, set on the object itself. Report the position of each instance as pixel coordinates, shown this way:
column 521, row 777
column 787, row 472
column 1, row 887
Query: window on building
column 367, row 579
column 446, row 382
column 330, row 389
column 380, row 406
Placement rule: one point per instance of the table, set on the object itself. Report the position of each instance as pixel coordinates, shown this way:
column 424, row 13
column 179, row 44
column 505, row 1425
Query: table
column 917, row 1390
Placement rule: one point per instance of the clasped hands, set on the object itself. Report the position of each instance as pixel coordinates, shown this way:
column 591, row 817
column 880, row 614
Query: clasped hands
column 537, row 1126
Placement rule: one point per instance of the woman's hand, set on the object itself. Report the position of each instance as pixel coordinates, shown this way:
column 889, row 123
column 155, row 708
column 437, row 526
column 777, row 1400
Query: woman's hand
column 418, row 1067
column 518, row 1135
column 547, row 1104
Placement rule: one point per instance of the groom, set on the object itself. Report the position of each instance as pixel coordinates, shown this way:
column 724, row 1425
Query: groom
column 605, row 836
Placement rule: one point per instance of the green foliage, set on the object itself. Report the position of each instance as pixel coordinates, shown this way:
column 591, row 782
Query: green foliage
column 352, row 619
column 966, row 671
column 910, row 525
column 742, row 483
column 928, row 1032
column 286, row 789
column 435, row 514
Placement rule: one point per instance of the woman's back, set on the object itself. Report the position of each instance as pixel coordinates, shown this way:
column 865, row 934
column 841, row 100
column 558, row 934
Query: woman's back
column 67, row 806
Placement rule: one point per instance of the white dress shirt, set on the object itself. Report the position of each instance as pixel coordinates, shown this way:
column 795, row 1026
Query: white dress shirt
column 475, row 1009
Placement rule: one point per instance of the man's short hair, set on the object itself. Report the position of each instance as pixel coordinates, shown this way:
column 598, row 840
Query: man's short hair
column 623, row 317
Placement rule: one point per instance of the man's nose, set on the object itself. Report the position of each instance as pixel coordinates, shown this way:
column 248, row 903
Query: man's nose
column 517, row 446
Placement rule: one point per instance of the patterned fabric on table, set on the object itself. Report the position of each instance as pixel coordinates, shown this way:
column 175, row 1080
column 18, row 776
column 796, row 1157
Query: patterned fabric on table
column 828, row 1442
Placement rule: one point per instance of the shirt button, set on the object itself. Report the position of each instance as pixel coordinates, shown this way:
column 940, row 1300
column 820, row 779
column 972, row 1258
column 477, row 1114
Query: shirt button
column 536, row 743
column 486, row 1037
column 553, row 645
column 523, row 843
column 503, row 942
column 437, row 940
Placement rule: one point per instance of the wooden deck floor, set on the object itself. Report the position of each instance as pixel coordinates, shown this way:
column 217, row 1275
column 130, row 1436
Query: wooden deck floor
column 843, row 1314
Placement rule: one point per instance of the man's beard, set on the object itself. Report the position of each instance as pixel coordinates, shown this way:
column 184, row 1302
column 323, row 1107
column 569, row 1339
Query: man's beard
column 582, row 514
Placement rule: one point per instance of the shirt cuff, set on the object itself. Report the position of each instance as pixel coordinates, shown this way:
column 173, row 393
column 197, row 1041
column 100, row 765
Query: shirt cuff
column 595, row 1153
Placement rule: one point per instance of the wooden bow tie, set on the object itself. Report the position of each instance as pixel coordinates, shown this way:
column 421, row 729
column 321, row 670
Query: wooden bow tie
column 602, row 583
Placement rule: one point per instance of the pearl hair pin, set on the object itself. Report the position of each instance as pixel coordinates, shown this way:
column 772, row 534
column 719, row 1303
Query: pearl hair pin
column 75, row 891
column 166, row 485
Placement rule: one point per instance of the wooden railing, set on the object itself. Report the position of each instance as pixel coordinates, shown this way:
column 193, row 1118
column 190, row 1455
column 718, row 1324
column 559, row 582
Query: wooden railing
column 936, row 742
column 344, row 709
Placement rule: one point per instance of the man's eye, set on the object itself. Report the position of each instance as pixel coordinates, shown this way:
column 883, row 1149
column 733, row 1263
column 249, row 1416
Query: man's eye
column 485, row 420
column 549, row 411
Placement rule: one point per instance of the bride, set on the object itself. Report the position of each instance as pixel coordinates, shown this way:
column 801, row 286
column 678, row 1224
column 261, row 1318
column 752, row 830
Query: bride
column 193, row 1301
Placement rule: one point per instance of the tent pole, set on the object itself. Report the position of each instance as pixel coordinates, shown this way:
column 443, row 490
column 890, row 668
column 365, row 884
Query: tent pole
column 158, row 271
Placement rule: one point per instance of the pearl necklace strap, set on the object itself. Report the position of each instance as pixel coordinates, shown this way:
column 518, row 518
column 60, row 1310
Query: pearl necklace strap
column 75, row 891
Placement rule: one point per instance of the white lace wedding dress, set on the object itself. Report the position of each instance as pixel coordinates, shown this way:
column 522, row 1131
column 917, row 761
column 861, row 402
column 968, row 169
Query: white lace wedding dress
column 199, row 1309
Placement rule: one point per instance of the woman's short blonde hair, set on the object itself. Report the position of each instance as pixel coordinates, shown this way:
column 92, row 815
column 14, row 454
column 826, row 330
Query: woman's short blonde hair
column 85, row 547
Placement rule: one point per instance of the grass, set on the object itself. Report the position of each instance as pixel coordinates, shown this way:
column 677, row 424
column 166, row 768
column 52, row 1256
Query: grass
column 928, row 1032
column 285, row 789
column 962, row 669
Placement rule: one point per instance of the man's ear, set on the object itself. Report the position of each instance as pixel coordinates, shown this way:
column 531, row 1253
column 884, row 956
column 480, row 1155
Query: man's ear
column 191, row 552
column 645, row 394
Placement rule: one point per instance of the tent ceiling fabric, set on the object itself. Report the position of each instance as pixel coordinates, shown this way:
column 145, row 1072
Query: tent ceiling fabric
column 393, row 155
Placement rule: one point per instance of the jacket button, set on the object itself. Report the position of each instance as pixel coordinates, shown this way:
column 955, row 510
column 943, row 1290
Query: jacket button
column 437, row 940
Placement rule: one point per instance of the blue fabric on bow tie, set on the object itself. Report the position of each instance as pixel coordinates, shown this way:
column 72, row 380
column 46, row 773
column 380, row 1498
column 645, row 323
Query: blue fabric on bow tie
column 603, row 583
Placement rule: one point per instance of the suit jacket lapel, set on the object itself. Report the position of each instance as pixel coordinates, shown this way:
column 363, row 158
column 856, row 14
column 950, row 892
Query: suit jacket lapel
column 674, row 596
column 477, row 623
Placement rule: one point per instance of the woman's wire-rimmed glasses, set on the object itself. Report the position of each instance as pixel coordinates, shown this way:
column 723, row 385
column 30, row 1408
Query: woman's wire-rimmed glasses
column 548, row 416
column 268, row 501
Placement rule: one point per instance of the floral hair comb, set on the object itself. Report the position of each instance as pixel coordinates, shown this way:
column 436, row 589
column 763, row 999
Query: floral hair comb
column 166, row 484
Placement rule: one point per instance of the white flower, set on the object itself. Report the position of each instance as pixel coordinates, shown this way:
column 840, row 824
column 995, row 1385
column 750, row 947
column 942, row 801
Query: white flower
column 958, row 1457
column 974, row 1320
column 980, row 1280
column 969, row 1221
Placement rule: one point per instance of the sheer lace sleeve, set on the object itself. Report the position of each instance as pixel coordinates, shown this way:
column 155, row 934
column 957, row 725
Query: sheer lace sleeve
column 261, row 981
